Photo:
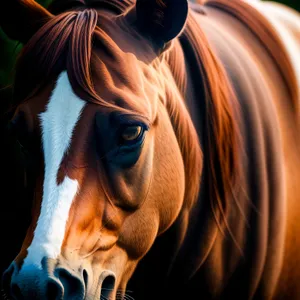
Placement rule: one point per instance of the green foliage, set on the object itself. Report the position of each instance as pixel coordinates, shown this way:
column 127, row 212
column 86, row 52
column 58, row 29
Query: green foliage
column 8, row 53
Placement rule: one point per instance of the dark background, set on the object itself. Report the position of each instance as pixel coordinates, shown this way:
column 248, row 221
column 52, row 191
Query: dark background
column 14, row 208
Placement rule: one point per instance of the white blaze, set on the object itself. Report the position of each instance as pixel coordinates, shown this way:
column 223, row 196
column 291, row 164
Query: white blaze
column 57, row 122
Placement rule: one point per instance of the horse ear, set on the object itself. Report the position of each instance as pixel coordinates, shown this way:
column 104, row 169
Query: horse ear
column 161, row 20
column 20, row 19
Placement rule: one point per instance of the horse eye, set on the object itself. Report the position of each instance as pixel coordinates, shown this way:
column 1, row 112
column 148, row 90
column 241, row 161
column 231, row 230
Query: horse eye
column 131, row 133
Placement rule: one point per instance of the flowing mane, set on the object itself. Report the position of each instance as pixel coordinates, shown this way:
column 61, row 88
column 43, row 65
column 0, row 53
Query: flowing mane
column 217, row 100
column 116, row 6
column 63, row 43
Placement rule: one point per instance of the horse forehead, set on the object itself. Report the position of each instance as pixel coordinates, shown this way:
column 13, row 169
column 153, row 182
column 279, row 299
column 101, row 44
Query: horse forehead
column 125, row 62
column 129, row 83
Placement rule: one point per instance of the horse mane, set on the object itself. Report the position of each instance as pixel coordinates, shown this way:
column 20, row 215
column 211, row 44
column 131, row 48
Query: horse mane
column 63, row 43
column 117, row 6
column 219, row 111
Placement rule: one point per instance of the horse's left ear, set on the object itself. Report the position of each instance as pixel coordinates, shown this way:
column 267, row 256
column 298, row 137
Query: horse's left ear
column 20, row 19
column 161, row 20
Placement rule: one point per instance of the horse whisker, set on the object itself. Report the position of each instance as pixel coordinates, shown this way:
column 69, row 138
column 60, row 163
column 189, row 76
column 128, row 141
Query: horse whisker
column 124, row 295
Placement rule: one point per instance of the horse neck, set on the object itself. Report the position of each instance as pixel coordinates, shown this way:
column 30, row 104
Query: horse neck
column 197, row 220
column 196, row 231
column 194, row 216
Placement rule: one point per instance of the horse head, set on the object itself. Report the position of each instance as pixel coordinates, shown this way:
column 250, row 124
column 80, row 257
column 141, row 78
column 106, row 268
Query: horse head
column 110, row 136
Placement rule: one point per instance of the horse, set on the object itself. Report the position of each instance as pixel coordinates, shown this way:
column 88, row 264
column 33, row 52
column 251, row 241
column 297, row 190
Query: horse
column 164, row 142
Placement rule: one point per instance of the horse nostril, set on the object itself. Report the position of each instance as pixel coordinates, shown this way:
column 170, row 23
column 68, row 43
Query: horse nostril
column 16, row 292
column 73, row 286
column 85, row 278
column 54, row 290
column 107, row 288
column 6, row 280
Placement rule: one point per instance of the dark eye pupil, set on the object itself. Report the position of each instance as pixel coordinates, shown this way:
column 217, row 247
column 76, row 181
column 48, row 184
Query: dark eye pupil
column 131, row 133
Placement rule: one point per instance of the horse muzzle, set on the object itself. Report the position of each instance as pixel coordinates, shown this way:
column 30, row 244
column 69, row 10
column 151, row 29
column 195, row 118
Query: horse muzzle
column 55, row 281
